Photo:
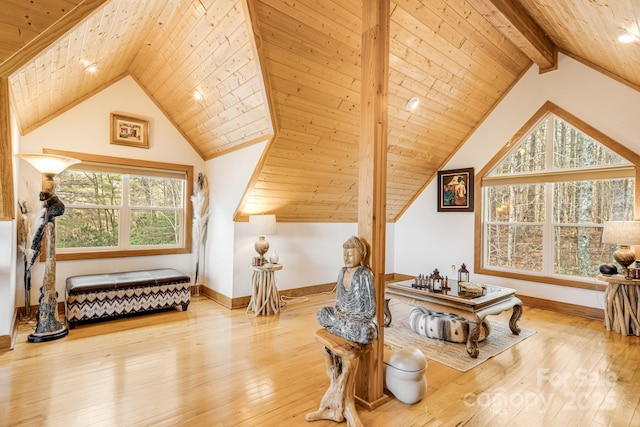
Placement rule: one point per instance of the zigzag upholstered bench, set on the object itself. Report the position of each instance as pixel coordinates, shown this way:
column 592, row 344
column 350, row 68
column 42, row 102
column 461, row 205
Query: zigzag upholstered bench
column 98, row 296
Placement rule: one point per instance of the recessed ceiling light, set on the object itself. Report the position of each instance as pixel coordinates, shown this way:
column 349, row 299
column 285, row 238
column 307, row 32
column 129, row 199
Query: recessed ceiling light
column 412, row 104
column 91, row 68
column 625, row 36
column 197, row 95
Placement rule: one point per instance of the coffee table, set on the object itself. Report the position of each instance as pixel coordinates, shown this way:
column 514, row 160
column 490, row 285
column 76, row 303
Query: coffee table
column 474, row 309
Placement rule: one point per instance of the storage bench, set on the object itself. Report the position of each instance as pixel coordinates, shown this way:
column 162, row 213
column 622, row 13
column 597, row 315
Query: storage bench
column 98, row 296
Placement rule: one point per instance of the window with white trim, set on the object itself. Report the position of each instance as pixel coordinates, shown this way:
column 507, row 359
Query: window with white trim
column 545, row 202
column 116, row 210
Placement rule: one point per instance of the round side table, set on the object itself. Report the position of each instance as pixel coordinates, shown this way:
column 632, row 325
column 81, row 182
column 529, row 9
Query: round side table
column 622, row 304
column 265, row 298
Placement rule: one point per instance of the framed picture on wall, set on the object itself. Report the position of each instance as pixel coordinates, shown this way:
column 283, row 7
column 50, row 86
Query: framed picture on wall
column 455, row 190
column 129, row 130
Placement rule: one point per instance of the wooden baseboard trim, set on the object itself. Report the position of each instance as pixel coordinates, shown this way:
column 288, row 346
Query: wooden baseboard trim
column 243, row 302
column 221, row 299
column 544, row 304
column 309, row 290
column 562, row 307
column 7, row 342
column 559, row 307
column 397, row 277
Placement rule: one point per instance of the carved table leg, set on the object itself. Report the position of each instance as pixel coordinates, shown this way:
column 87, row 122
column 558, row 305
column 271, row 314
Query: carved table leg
column 517, row 312
column 487, row 328
column 472, row 339
column 387, row 313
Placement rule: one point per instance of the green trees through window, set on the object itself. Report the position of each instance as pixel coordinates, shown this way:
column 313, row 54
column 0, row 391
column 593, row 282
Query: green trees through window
column 545, row 201
column 119, row 210
column 93, row 207
column 119, row 207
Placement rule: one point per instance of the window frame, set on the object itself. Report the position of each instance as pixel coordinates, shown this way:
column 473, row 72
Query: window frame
column 115, row 162
column 480, row 244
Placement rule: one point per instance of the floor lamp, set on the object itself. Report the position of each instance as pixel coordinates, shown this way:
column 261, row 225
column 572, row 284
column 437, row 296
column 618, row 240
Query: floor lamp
column 48, row 327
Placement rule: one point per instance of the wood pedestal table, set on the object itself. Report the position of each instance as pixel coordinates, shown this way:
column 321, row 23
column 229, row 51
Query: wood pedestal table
column 622, row 304
column 265, row 298
column 473, row 308
column 342, row 358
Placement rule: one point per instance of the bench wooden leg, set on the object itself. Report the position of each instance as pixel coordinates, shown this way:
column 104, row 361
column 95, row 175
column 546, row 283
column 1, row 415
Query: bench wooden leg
column 342, row 358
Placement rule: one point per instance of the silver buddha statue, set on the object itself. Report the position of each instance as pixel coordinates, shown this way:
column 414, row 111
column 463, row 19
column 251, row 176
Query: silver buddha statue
column 354, row 315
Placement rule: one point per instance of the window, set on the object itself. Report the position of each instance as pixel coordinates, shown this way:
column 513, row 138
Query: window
column 546, row 198
column 123, row 207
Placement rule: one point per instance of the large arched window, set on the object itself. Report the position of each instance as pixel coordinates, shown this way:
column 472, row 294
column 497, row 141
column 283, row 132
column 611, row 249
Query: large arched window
column 545, row 197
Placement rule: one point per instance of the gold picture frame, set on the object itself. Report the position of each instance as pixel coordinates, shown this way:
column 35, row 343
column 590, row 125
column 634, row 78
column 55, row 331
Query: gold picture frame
column 128, row 130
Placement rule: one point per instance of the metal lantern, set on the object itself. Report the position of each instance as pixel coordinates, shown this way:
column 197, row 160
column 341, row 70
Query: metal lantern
column 463, row 274
column 436, row 280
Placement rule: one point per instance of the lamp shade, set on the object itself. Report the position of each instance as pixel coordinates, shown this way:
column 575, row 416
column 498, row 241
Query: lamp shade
column 621, row 232
column 262, row 224
column 48, row 164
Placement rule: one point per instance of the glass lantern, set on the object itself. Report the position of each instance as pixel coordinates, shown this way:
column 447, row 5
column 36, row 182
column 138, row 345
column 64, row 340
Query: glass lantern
column 463, row 274
column 436, row 280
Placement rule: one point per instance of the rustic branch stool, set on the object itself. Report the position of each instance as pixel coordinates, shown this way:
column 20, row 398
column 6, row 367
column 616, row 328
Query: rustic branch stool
column 342, row 357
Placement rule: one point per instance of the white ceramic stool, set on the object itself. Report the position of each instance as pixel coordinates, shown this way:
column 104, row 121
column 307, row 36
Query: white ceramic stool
column 405, row 374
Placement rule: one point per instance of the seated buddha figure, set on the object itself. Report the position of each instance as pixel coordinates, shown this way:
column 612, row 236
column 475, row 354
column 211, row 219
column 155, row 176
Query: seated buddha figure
column 354, row 315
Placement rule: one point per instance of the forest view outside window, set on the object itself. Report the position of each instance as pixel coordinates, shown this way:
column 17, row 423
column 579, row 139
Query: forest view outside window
column 545, row 203
column 111, row 208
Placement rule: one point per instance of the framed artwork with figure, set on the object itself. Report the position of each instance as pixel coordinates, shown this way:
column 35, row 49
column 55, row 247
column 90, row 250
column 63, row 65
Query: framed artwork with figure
column 455, row 190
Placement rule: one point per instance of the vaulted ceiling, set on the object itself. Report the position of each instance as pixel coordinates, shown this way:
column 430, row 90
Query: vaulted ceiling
column 288, row 72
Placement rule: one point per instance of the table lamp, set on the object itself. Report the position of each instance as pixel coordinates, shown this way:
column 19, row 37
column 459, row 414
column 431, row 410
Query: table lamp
column 262, row 225
column 623, row 233
column 48, row 326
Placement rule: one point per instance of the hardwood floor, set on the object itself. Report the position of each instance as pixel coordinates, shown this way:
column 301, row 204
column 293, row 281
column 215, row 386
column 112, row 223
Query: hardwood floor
column 211, row 366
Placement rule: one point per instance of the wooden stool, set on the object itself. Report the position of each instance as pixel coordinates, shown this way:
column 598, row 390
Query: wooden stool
column 342, row 357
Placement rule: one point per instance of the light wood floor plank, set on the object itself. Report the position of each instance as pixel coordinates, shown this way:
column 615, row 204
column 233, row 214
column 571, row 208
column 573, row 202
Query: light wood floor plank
column 211, row 366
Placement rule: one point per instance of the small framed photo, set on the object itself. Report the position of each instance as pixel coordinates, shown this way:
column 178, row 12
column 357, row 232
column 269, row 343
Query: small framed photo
column 129, row 130
column 455, row 190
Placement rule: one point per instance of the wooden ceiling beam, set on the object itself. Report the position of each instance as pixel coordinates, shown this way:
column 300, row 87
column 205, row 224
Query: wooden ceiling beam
column 515, row 24
column 6, row 159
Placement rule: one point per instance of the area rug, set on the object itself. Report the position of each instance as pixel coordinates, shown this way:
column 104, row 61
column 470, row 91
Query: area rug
column 399, row 334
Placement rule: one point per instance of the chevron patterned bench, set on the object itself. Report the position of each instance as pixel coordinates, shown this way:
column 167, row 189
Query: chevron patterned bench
column 99, row 296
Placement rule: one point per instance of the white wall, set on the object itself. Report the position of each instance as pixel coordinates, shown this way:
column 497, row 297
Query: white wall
column 228, row 178
column 85, row 128
column 8, row 251
column 426, row 239
column 7, row 275
column 310, row 253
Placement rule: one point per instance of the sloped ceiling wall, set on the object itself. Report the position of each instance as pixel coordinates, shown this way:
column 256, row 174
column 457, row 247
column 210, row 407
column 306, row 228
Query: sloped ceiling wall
column 289, row 72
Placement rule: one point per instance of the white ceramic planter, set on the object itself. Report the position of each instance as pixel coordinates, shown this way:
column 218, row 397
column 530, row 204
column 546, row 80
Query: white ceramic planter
column 405, row 374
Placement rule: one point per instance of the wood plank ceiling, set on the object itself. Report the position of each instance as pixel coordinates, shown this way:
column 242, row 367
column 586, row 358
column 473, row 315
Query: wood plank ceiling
column 289, row 72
